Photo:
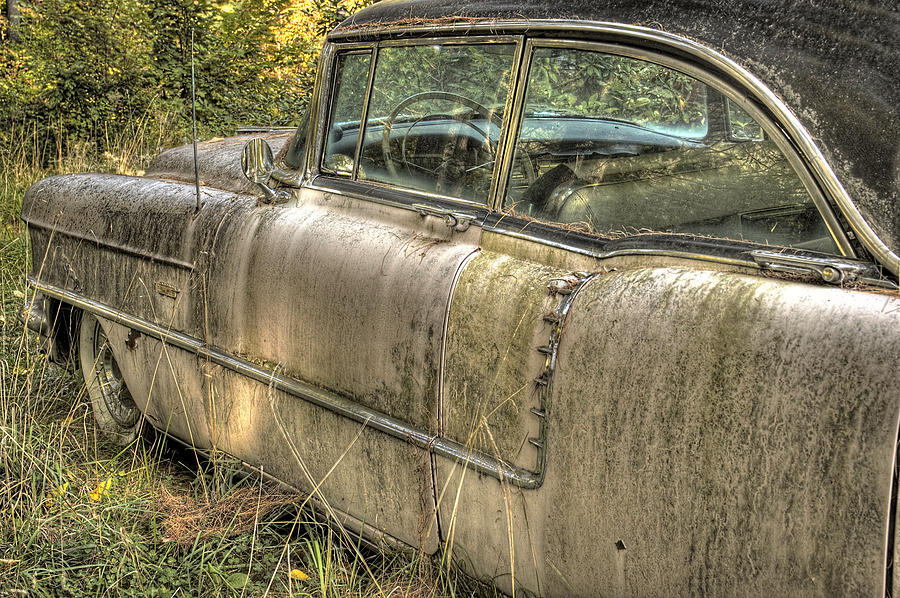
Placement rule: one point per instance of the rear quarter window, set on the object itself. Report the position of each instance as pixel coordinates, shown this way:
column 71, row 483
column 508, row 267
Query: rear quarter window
column 616, row 146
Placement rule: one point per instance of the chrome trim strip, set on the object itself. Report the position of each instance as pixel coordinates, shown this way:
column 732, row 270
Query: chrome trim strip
column 444, row 40
column 501, row 165
column 832, row 270
column 130, row 250
column 600, row 255
column 566, row 289
column 321, row 398
column 320, row 185
column 445, row 332
column 316, row 134
column 890, row 534
column 513, row 126
column 364, row 117
column 814, row 161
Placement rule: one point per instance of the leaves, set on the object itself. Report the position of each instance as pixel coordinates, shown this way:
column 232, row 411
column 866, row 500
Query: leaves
column 610, row 86
column 236, row 581
column 84, row 68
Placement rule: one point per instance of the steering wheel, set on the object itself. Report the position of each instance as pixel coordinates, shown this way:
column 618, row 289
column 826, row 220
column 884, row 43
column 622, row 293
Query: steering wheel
column 442, row 172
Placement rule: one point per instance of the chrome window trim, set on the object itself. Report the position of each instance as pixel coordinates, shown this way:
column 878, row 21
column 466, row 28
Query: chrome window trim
column 329, row 107
column 811, row 157
column 459, row 40
column 370, row 81
column 704, row 76
column 500, row 162
column 604, row 254
column 378, row 190
column 325, row 86
column 313, row 153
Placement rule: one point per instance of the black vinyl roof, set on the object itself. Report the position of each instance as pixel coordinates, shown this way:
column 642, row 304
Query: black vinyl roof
column 834, row 63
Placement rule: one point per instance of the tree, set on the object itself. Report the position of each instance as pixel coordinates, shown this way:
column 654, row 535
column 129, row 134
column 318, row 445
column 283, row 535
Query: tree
column 12, row 20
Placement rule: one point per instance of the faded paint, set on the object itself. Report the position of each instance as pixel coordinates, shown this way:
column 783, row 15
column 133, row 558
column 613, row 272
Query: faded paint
column 355, row 302
column 354, row 298
column 737, row 428
column 735, row 434
column 219, row 162
column 496, row 326
column 281, row 436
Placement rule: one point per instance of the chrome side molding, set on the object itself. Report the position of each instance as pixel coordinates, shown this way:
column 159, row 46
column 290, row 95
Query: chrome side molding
column 376, row 420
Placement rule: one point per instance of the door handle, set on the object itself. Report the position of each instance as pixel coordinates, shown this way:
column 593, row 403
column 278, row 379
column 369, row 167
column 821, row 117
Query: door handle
column 456, row 220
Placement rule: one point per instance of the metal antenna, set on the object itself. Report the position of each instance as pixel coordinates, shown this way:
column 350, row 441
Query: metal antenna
column 194, row 122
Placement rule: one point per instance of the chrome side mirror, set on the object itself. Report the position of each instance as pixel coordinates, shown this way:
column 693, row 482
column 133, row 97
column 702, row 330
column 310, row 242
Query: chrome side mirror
column 258, row 164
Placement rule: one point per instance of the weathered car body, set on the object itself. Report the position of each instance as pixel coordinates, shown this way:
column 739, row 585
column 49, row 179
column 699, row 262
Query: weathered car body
column 571, row 350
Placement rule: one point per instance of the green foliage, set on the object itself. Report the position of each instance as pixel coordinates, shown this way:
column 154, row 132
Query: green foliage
column 479, row 73
column 79, row 64
column 601, row 85
column 87, row 70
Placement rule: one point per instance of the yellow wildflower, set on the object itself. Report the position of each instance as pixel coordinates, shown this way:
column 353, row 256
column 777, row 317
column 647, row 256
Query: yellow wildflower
column 56, row 493
column 97, row 493
column 299, row 575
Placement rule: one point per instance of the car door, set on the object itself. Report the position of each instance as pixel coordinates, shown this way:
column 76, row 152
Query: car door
column 334, row 304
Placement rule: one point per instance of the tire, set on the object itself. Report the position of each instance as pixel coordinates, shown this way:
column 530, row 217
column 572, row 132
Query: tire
column 115, row 411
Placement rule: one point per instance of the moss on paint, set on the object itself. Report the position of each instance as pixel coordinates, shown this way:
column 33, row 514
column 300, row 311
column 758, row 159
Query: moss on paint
column 496, row 324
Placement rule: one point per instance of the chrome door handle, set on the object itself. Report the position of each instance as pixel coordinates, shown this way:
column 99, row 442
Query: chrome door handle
column 455, row 220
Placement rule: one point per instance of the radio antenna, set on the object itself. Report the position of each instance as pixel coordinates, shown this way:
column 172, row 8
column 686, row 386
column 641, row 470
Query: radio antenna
column 194, row 123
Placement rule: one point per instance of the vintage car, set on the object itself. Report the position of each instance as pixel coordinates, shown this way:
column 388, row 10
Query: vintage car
column 599, row 298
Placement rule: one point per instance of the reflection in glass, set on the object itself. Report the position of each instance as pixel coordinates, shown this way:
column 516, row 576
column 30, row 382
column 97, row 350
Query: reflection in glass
column 435, row 116
column 350, row 75
column 616, row 146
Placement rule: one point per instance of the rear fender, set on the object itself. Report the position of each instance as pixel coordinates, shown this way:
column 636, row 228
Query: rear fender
column 709, row 428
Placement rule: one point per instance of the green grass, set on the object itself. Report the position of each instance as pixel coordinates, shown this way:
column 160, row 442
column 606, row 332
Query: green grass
column 82, row 517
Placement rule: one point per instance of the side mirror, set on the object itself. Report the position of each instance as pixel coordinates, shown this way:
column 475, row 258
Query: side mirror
column 257, row 164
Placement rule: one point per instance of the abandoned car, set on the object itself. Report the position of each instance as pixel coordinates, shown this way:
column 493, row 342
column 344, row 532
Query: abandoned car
column 597, row 297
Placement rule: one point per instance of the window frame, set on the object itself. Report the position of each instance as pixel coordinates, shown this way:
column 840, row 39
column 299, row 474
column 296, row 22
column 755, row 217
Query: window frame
column 333, row 88
column 395, row 192
column 491, row 214
column 729, row 92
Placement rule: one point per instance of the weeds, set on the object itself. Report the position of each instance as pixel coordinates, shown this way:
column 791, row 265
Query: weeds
column 81, row 517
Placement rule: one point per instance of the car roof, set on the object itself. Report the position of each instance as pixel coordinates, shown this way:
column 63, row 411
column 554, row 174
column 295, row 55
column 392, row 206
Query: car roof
column 834, row 64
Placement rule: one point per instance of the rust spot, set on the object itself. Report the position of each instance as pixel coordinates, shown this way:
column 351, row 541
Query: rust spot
column 131, row 341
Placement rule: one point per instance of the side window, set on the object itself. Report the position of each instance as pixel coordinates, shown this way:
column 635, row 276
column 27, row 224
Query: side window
column 616, row 146
column 435, row 116
column 351, row 74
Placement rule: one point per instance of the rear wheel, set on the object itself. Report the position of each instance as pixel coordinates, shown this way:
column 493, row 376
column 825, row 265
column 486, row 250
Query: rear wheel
column 117, row 415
